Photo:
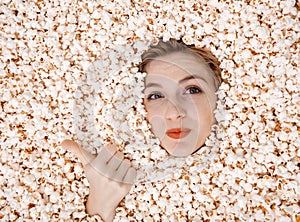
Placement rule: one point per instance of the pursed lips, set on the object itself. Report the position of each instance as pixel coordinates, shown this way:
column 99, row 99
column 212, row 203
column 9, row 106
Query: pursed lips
column 178, row 133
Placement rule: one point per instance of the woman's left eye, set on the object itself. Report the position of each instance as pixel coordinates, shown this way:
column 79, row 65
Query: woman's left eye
column 193, row 90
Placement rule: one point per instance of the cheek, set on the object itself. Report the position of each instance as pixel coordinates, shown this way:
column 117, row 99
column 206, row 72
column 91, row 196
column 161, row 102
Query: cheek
column 156, row 118
column 153, row 109
column 158, row 126
column 202, row 109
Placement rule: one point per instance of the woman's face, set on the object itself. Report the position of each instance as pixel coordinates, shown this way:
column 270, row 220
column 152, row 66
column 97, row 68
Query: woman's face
column 180, row 99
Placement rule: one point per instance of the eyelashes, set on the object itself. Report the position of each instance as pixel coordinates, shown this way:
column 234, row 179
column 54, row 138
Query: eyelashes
column 154, row 96
column 193, row 90
column 190, row 90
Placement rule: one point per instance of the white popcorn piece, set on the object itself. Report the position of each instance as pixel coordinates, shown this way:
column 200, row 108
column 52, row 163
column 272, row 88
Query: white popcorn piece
column 47, row 51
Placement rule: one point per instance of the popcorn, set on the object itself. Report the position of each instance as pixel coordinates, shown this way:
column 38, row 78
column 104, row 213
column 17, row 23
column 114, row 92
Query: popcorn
column 57, row 53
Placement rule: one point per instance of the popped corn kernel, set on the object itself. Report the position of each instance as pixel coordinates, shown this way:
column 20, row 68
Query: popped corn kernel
column 68, row 69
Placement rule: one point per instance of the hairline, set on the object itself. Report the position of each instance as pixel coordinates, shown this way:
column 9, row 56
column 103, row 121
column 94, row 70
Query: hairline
column 190, row 52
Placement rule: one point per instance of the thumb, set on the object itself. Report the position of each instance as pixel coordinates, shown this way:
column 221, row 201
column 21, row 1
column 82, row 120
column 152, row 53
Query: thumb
column 84, row 156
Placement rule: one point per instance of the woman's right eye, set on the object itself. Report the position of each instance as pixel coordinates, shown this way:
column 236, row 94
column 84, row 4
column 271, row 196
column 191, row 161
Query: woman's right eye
column 154, row 96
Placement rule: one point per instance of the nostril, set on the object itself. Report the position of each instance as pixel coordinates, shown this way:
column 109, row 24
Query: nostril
column 174, row 111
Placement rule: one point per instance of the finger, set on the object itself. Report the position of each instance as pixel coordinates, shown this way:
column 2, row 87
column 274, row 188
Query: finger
column 130, row 176
column 121, row 170
column 100, row 163
column 106, row 153
column 115, row 161
column 113, row 164
column 84, row 156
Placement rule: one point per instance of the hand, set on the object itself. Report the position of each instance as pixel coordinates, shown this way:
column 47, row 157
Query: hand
column 109, row 174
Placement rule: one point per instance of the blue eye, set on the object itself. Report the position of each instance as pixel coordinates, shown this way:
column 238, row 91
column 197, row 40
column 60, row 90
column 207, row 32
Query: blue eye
column 154, row 96
column 193, row 90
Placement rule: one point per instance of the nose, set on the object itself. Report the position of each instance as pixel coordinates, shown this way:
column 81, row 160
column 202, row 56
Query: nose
column 174, row 111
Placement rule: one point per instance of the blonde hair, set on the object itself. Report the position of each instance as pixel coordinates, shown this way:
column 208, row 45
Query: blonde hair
column 164, row 48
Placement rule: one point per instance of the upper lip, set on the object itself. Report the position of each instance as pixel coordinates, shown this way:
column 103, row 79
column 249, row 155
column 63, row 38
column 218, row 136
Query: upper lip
column 178, row 130
column 177, row 133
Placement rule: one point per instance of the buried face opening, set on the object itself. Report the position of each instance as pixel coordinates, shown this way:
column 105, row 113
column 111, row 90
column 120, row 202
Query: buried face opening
column 180, row 99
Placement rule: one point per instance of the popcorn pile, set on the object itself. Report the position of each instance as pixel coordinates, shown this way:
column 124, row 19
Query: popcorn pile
column 69, row 70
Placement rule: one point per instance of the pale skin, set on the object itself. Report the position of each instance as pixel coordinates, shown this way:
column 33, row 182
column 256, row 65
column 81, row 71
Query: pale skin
column 180, row 95
column 110, row 178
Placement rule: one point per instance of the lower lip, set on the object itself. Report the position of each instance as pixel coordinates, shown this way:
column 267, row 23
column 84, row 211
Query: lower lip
column 178, row 135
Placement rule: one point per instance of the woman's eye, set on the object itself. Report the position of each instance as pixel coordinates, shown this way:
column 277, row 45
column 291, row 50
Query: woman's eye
column 193, row 90
column 154, row 96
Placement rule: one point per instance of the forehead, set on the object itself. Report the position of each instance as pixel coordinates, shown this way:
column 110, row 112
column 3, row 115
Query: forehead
column 176, row 66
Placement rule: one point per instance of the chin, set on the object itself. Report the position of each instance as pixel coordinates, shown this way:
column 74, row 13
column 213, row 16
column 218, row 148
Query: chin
column 178, row 154
column 180, row 149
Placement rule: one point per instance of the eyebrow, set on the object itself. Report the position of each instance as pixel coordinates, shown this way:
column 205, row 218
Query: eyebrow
column 181, row 81
column 153, row 84
column 191, row 77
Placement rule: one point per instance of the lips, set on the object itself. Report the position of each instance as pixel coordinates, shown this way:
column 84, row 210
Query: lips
column 178, row 133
